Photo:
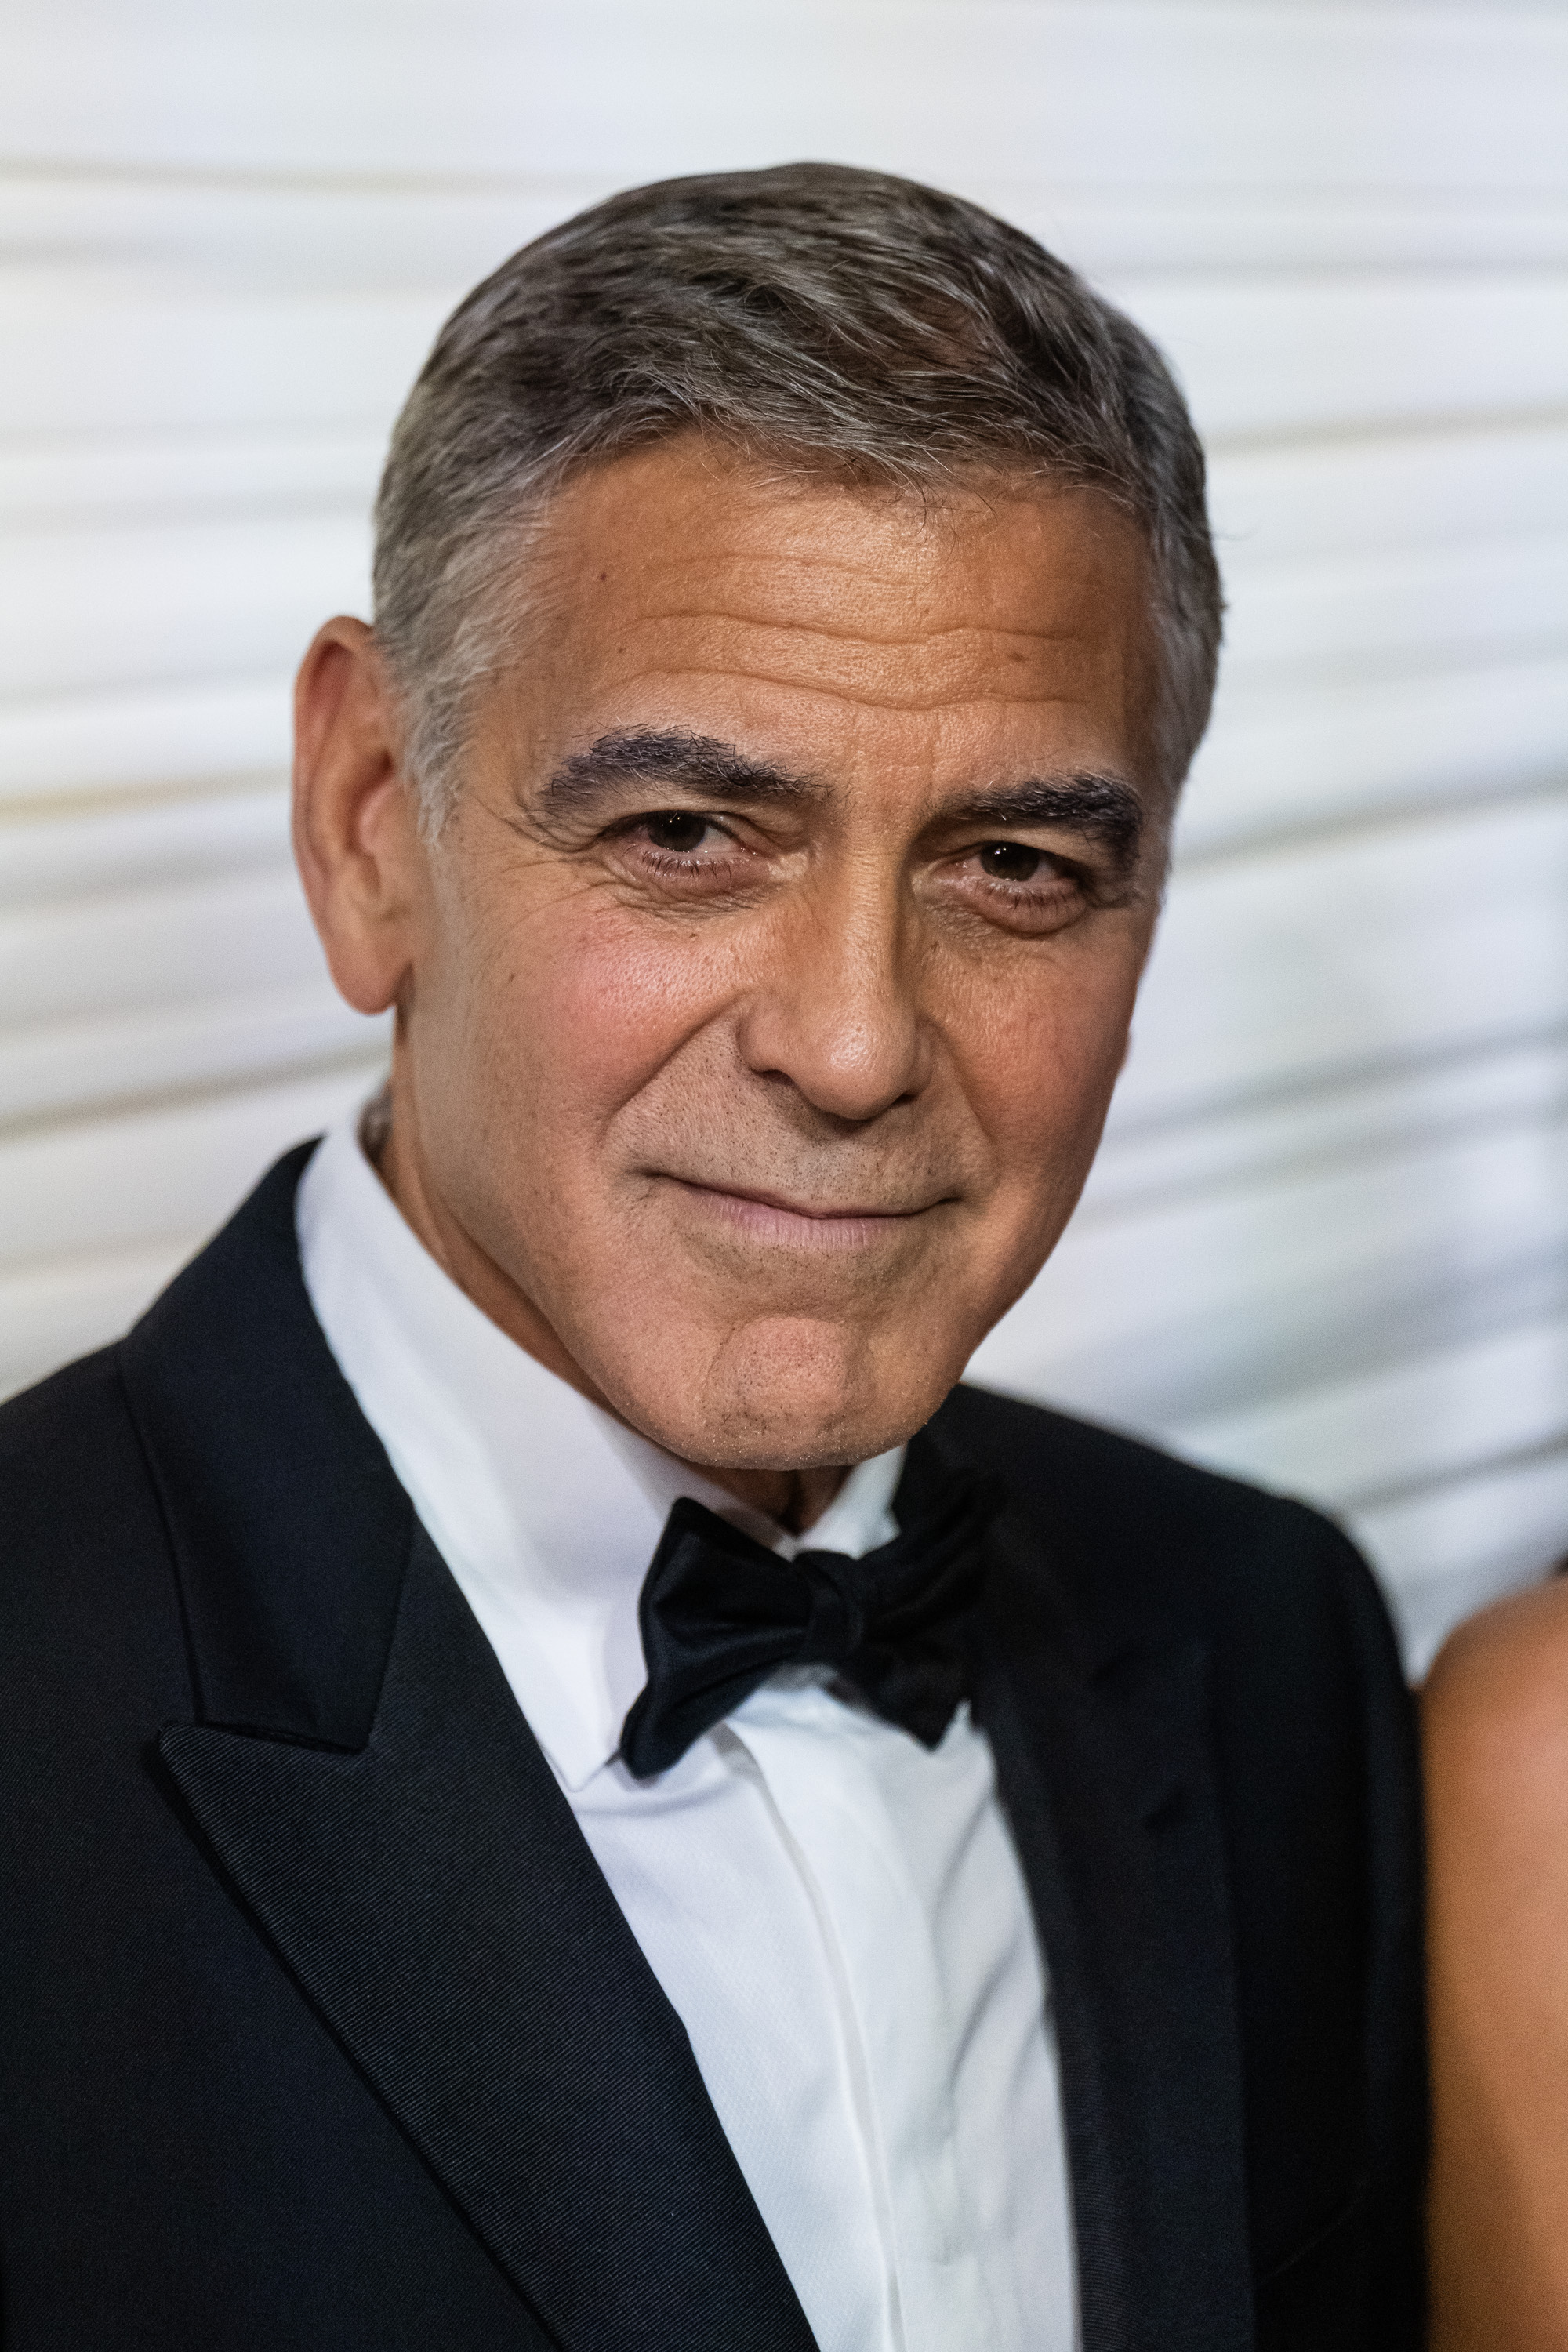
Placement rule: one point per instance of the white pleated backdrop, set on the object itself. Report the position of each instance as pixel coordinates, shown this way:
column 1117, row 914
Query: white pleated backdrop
column 1327, row 1242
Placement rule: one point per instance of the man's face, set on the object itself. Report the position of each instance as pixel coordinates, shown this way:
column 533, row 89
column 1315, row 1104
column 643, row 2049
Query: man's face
column 766, row 988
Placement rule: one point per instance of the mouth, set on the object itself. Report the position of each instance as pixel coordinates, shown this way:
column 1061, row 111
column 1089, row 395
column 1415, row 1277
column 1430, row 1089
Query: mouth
column 767, row 1216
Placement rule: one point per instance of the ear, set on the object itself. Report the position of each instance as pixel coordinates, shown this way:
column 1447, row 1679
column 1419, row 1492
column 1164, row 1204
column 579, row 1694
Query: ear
column 356, row 833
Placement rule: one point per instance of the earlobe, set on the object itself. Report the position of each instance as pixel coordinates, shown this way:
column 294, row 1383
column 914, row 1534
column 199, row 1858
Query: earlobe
column 355, row 839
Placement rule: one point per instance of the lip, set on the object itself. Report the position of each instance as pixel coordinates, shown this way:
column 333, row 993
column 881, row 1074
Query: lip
column 767, row 1216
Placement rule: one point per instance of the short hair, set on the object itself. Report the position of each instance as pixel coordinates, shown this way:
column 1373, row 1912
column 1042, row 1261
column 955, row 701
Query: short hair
column 834, row 322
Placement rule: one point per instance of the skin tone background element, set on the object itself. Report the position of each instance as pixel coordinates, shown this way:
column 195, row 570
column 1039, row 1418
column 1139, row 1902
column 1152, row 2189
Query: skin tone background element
column 1495, row 1715
column 759, row 1006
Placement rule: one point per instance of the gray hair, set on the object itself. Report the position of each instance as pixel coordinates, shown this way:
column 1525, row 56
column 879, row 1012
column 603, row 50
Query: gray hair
column 835, row 322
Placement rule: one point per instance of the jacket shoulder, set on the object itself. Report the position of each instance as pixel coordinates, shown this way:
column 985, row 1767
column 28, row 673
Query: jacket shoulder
column 77, row 1508
column 73, row 1418
column 1130, row 1524
column 1082, row 1466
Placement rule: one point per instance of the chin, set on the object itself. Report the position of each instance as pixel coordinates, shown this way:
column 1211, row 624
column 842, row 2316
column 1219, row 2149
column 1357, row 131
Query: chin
column 792, row 1394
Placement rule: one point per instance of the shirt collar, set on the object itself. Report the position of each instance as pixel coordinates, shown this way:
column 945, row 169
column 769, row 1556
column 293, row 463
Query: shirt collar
column 546, row 1509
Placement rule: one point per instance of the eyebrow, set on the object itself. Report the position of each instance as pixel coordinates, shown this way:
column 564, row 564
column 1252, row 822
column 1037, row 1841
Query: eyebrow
column 700, row 762
column 1104, row 808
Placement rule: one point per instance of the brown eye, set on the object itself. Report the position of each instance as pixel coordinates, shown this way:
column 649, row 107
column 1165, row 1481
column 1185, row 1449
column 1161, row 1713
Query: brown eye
column 676, row 830
column 1010, row 861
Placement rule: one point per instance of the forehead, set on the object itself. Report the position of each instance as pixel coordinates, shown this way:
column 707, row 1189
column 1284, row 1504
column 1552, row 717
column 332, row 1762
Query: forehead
column 683, row 587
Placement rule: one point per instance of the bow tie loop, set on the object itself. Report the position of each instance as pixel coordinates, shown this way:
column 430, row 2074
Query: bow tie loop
column 720, row 1613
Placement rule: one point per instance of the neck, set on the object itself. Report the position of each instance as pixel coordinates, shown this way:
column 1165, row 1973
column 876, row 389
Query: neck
column 794, row 1498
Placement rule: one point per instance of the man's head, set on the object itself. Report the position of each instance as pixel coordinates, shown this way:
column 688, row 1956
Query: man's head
column 796, row 612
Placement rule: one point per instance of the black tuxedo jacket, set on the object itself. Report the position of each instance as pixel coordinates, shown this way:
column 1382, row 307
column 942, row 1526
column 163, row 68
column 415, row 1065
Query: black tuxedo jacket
column 320, row 2031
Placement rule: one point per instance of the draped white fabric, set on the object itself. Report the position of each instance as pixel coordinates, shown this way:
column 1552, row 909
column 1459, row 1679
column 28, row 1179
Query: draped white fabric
column 1326, row 1242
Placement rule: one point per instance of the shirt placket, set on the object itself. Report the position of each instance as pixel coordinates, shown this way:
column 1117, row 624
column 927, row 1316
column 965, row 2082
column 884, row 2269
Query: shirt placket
column 847, row 1841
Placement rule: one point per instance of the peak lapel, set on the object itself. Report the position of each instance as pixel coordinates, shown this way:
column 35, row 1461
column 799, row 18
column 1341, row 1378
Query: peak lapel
column 1102, row 1757
column 369, row 1787
column 436, row 1902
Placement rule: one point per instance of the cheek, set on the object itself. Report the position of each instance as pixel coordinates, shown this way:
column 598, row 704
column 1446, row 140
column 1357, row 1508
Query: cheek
column 1043, row 1060
column 576, row 1008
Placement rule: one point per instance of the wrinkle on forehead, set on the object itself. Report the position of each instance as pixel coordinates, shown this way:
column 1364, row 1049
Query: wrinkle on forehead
column 987, row 591
column 858, row 695
column 920, row 633
column 891, row 651
column 675, row 510
column 670, row 580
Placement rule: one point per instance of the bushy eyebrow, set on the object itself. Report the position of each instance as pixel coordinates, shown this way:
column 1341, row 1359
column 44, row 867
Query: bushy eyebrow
column 1105, row 809
column 702, row 763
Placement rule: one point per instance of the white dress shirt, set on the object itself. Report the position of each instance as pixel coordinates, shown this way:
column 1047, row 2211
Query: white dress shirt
column 837, row 1914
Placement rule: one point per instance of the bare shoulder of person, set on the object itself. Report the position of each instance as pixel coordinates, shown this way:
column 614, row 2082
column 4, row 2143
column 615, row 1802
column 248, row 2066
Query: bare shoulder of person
column 1495, row 1723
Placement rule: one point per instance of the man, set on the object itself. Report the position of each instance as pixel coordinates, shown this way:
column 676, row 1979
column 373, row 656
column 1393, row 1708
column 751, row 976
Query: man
column 569, row 1787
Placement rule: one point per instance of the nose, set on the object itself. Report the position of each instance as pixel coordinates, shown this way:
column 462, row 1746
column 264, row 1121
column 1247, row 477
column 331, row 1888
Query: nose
column 835, row 1013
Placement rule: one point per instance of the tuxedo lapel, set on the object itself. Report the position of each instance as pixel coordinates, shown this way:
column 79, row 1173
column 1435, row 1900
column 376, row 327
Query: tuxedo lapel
column 1103, row 1761
column 435, row 1898
column 366, row 1784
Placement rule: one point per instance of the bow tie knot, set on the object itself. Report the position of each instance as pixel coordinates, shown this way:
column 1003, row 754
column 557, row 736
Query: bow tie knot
column 720, row 1612
column 836, row 1628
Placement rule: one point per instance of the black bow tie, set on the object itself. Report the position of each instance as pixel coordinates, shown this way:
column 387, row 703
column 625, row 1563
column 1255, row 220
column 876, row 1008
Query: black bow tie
column 721, row 1613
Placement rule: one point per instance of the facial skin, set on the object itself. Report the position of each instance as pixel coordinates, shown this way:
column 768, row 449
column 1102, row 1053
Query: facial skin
column 760, row 1002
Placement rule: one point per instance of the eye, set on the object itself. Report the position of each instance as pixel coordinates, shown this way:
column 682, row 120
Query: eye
column 678, row 831
column 1010, row 861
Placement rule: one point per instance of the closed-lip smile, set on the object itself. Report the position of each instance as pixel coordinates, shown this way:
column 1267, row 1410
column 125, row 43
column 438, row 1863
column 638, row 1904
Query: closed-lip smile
column 770, row 1216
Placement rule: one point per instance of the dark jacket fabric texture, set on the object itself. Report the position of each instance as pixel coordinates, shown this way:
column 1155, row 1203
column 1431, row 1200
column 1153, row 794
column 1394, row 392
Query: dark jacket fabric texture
column 321, row 2032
